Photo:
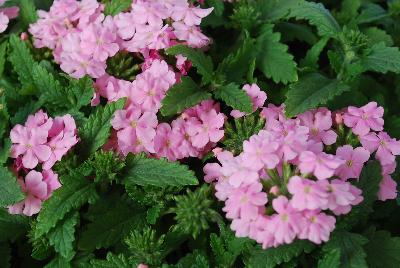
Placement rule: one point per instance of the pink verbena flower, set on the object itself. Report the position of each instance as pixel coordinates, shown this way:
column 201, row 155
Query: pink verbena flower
column 37, row 187
column 363, row 119
column 307, row 194
column 31, row 144
column 341, row 196
column 190, row 15
column 166, row 142
column 191, row 34
column 136, row 130
column 287, row 223
column 6, row 14
column 317, row 227
column 322, row 165
column 207, row 129
column 261, row 150
column 386, row 148
column 355, row 159
column 257, row 96
column 319, row 122
column 387, row 188
column 212, row 172
column 239, row 173
column 245, row 202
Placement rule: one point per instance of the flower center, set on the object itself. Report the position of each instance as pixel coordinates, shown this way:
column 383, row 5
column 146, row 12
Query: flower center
column 243, row 199
column 364, row 116
column 314, row 131
column 307, row 189
column 313, row 219
column 284, row 217
column 134, row 124
column 349, row 163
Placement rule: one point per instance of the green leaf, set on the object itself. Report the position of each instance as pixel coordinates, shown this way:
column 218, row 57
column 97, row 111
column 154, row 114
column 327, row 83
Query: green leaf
column 383, row 250
column 182, row 96
column 5, row 151
column 144, row 171
column 10, row 191
column 234, row 97
column 330, row 260
column 22, row 60
column 48, row 86
column 154, row 213
column 272, row 257
column 273, row 59
column 377, row 35
column 273, row 10
column 12, row 226
column 382, row 59
column 311, row 91
column 111, row 226
column 236, row 65
column 96, row 130
column 3, row 54
column 63, row 235
column 114, row 7
column 58, row 262
column 27, row 12
column 75, row 192
column 369, row 184
column 5, row 255
column 80, row 92
column 371, row 13
column 350, row 246
column 203, row 63
column 312, row 56
column 318, row 16
column 113, row 261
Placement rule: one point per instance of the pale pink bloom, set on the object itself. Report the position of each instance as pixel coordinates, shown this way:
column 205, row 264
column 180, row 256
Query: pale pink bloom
column 111, row 88
column 190, row 15
column 342, row 194
column 363, row 119
column 389, row 168
column 273, row 113
column 144, row 37
column 387, row 188
column 307, row 194
column 261, row 151
column 223, row 189
column 183, row 64
column 39, row 120
column 136, row 131
column 341, row 210
column 36, row 191
column 186, row 149
column 191, row 34
column 201, row 108
column 151, row 12
column 241, row 226
column 31, row 144
column 259, row 232
column 322, row 165
column 258, row 98
column 245, row 202
column 3, row 22
column 86, row 10
column 212, row 172
column 287, row 223
column 317, row 227
column 386, row 147
column 142, row 266
column 99, row 41
column 319, row 122
column 207, row 129
column 126, row 24
column 51, row 179
column 355, row 159
column 78, row 65
column 166, row 142
column 239, row 173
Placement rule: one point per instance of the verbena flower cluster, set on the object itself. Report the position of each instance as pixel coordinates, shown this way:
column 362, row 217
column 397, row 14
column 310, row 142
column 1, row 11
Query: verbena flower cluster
column 41, row 141
column 6, row 13
column 83, row 38
column 295, row 175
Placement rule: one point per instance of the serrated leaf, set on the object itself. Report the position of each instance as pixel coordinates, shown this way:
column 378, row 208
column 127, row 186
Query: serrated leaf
column 111, row 226
column 273, row 59
column 114, row 7
column 58, row 262
column 182, row 96
column 22, row 60
column 41, row 249
column 63, row 235
column 351, row 249
column 5, row 151
column 154, row 213
column 312, row 56
column 80, row 92
column 383, row 250
column 236, row 65
column 12, row 226
column 318, row 16
column 203, row 63
column 234, row 97
column 273, row 10
column 157, row 172
column 5, row 255
column 369, row 184
column 3, row 54
column 96, row 130
column 382, row 59
column 10, row 190
column 330, row 260
column 377, row 35
column 371, row 13
column 113, row 261
column 311, row 91
column 272, row 257
column 27, row 12
column 75, row 192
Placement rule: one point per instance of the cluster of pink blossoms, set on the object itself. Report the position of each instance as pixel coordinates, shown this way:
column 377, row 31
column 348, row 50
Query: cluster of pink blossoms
column 83, row 38
column 6, row 13
column 284, row 185
column 42, row 140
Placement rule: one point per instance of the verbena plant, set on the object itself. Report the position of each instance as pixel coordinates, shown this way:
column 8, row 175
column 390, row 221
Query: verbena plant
column 175, row 133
